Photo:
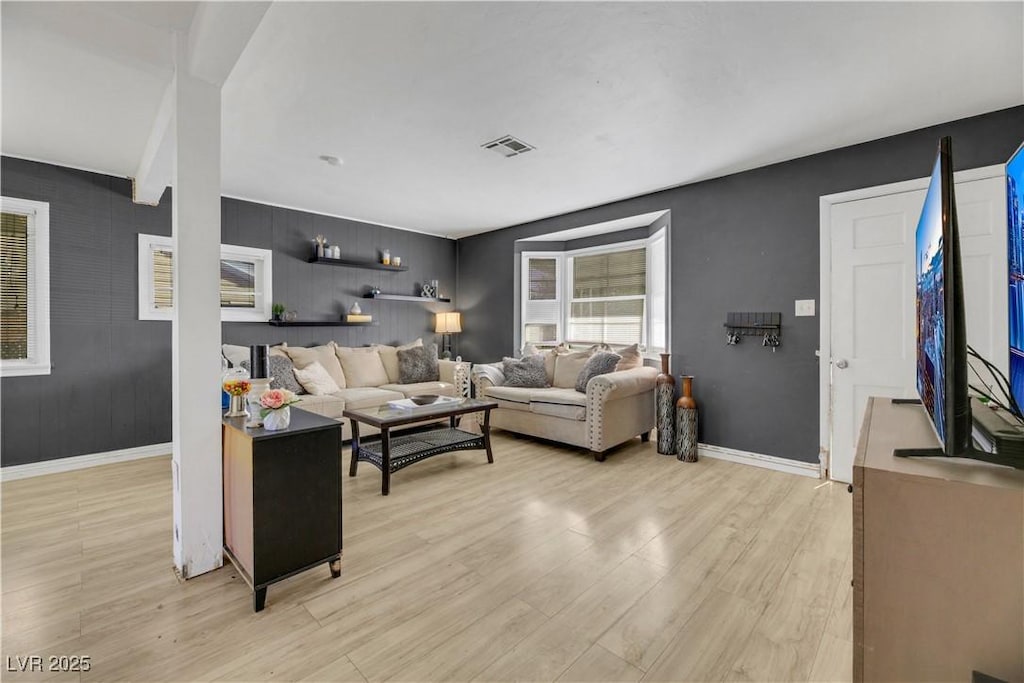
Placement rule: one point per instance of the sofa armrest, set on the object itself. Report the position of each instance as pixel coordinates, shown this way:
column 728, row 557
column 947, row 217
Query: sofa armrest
column 621, row 384
column 487, row 375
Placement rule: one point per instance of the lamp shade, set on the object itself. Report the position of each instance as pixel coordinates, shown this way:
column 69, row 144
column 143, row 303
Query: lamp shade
column 448, row 323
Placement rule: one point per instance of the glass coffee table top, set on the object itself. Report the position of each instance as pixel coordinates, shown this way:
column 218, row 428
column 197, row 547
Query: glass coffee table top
column 390, row 415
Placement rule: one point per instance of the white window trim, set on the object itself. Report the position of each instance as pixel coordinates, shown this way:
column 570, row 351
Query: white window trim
column 564, row 276
column 38, row 286
column 264, row 280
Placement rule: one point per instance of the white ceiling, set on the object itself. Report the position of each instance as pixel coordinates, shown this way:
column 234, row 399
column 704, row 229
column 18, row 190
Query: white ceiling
column 619, row 98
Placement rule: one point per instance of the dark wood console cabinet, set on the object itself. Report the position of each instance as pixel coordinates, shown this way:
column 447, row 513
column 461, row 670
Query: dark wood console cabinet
column 282, row 499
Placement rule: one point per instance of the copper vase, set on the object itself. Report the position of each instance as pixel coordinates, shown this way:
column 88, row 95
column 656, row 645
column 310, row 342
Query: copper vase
column 686, row 422
column 665, row 395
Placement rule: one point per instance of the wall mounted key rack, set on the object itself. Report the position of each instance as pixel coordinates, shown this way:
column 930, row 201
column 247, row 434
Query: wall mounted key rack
column 767, row 326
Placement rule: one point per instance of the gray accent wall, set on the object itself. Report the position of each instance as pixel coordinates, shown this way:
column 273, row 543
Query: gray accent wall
column 110, row 385
column 743, row 242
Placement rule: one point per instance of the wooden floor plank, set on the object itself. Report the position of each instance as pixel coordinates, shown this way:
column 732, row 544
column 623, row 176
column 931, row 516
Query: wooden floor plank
column 545, row 565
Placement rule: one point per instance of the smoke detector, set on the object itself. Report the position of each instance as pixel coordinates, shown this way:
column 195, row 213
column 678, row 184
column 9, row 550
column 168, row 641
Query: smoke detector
column 331, row 160
column 508, row 146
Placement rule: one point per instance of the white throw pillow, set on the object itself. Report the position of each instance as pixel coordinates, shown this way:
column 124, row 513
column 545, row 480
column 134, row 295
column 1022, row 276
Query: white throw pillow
column 363, row 368
column 316, row 380
column 324, row 355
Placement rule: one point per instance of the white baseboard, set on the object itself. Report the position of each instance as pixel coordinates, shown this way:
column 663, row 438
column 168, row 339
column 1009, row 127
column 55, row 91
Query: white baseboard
column 771, row 462
column 78, row 462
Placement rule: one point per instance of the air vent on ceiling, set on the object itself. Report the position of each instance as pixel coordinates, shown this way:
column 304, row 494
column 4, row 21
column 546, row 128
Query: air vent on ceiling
column 508, row 146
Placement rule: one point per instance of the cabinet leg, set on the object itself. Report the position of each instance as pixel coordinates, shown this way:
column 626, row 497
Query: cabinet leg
column 259, row 599
column 335, row 566
column 645, row 437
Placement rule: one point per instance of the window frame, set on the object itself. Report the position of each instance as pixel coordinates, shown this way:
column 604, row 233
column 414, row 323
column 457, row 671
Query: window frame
column 524, row 292
column 264, row 275
column 38, row 320
column 564, row 287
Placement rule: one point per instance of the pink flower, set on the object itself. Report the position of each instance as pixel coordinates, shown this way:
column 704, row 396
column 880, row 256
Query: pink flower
column 276, row 398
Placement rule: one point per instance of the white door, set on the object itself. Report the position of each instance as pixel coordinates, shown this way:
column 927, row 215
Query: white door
column 872, row 339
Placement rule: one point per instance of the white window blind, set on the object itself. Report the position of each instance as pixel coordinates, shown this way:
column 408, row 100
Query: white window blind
column 14, row 327
column 608, row 297
column 24, row 288
column 245, row 281
column 542, row 308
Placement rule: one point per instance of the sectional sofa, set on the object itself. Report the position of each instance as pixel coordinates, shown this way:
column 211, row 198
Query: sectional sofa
column 365, row 377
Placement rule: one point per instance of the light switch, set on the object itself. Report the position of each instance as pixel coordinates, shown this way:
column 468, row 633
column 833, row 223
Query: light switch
column 804, row 307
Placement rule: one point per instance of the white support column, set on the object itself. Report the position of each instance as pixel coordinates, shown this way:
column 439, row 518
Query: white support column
column 198, row 514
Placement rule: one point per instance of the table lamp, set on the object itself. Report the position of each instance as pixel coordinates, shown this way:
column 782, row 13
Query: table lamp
column 447, row 324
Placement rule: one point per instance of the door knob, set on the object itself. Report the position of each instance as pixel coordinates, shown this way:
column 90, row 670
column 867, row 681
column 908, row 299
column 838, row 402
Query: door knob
column 842, row 364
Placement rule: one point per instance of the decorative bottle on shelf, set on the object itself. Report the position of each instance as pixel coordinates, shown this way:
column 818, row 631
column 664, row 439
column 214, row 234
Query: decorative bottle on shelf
column 385, row 257
column 686, row 422
column 665, row 397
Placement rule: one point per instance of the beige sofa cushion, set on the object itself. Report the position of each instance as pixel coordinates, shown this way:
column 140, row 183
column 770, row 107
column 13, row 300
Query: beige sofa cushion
column 316, row 380
column 389, row 357
column 328, row 405
column 324, row 355
column 362, row 367
column 631, row 358
column 567, row 368
column 515, row 398
column 419, row 388
column 367, row 397
column 568, row 404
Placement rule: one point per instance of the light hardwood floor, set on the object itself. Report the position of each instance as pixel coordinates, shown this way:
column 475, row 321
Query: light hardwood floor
column 543, row 566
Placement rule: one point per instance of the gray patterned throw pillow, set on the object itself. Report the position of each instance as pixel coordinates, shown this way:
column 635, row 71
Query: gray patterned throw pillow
column 601, row 363
column 283, row 372
column 418, row 364
column 527, row 371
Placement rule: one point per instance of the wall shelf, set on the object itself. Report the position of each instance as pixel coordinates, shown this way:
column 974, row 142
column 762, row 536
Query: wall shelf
column 354, row 263
column 403, row 297
column 319, row 323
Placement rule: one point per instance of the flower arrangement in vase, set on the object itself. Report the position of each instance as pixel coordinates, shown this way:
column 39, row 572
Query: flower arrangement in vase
column 237, row 389
column 276, row 408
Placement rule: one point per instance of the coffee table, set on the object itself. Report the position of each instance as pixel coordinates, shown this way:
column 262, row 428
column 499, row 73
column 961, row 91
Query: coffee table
column 390, row 453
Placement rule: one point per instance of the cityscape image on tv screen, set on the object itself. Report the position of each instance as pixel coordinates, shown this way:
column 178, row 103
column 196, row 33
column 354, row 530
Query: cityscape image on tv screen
column 1015, row 248
column 931, row 307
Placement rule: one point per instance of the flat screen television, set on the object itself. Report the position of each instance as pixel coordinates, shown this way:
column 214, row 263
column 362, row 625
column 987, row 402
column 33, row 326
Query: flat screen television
column 942, row 381
column 941, row 322
column 1015, row 258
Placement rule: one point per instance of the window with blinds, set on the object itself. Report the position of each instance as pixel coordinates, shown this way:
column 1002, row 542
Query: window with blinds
column 615, row 294
column 14, row 287
column 542, row 305
column 24, row 287
column 609, row 292
column 245, row 278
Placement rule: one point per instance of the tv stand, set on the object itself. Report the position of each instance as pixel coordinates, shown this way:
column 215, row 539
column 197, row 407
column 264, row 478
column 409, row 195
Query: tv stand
column 1007, row 441
column 938, row 558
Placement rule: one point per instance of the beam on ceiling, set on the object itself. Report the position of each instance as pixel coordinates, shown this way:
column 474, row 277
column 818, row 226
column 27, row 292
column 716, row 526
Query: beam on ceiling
column 216, row 39
column 218, row 35
column 154, row 172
